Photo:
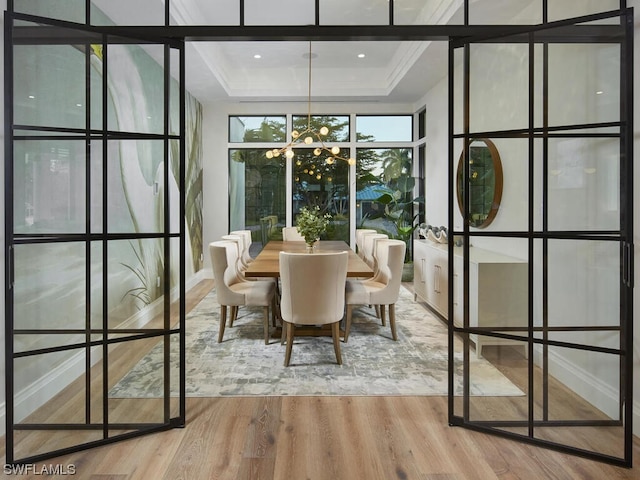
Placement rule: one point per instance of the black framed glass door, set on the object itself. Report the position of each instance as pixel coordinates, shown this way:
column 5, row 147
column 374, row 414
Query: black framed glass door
column 543, row 289
column 95, row 277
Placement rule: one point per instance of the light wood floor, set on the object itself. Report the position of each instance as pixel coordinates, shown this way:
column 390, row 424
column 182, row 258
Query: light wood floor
column 334, row 438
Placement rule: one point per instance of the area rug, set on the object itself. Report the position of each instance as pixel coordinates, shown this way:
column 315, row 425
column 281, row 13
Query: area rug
column 373, row 364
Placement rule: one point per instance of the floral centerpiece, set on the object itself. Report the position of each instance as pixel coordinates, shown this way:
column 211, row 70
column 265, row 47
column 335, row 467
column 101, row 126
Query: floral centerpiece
column 311, row 224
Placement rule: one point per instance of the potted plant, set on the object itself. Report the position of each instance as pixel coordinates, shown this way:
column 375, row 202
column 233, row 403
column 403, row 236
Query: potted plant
column 311, row 224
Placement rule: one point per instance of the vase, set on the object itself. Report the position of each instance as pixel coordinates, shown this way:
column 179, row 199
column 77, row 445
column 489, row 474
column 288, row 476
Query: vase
column 310, row 247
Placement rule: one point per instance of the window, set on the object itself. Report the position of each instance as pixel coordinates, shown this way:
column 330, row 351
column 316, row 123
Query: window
column 316, row 183
column 384, row 182
column 257, row 194
column 257, row 129
column 385, row 192
column 384, row 128
column 338, row 126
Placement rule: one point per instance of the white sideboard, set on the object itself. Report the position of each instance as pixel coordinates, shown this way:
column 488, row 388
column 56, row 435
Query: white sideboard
column 497, row 287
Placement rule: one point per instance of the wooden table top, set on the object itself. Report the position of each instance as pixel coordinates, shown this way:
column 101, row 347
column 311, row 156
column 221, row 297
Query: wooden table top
column 267, row 263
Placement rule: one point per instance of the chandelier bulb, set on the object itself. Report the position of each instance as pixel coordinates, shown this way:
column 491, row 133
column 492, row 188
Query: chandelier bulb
column 317, row 151
column 319, row 176
column 335, row 150
column 351, row 161
column 289, row 153
column 324, row 131
column 269, row 154
column 308, row 140
column 276, row 153
column 295, row 134
column 329, row 160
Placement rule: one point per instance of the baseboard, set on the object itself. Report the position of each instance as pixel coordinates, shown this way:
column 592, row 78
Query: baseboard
column 587, row 386
column 144, row 316
column 46, row 387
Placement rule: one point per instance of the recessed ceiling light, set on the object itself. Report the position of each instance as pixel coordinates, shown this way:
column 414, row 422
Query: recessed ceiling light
column 78, row 104
column 257, row 55
column 599, row 92
column 361, row 55
column 32, row 96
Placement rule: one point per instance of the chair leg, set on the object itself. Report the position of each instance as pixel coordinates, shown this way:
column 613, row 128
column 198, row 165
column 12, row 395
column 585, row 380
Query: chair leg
column 233, row 315
column 392, row 320
column 273, row 311
column 283, row 334
column 377, row 309
column 266, row 324
column 383, row 315
column 290, row 335
column 223, row 322
column 347, row 323
column 335, row 333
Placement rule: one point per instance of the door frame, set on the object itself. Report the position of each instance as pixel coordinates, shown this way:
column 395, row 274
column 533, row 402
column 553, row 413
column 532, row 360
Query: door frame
column 49, row 32
column 292, row 33
column 565, row 31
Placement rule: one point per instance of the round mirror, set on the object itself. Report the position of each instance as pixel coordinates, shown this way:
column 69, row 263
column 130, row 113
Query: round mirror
column 485, row 182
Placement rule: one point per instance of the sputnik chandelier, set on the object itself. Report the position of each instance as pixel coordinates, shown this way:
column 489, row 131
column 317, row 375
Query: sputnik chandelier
column 309, row 136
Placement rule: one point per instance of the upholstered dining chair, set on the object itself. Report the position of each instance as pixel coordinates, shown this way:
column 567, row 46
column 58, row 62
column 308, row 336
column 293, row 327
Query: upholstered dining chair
column 290, row 234
column 313, row 287
column 246, row 257
column 383, row 289
column 238, row 240
column 360, row 233
column 230, row 292
column 369, row 248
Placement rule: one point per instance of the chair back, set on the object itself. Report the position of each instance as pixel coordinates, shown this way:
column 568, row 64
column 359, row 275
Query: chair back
column 290, row 234
column 224, row 258
column 246, row 236
column 390, row 255
column 238, row 241
column 369, row 249
column 313, row 287
column 360, row 233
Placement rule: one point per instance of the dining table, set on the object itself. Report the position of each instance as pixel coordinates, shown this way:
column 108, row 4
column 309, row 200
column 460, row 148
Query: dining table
column 267, row 264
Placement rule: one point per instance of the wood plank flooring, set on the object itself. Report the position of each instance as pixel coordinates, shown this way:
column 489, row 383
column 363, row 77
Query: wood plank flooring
column 332, row 438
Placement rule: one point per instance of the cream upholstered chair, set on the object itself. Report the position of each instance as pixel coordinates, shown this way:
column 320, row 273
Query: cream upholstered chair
column 369, row 248
column 230, row 292
column 240, row 265
column 383, row 289
column 290, row 234
column 246, row 257
column 313, row 287
column 360, row 233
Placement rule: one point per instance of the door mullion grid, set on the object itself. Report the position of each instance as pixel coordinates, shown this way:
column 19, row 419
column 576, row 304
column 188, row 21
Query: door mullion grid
column 530, row 240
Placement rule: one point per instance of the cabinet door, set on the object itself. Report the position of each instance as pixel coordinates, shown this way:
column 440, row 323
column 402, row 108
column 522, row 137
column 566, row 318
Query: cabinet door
column 458, row 299
column 419, row 271
column 441, row 283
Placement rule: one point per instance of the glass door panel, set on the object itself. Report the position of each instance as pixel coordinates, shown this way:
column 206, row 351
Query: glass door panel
column 93, row 263
column 542, row 292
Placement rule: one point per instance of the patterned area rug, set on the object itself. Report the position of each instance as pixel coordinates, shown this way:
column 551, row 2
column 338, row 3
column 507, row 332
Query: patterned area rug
column 373, row 364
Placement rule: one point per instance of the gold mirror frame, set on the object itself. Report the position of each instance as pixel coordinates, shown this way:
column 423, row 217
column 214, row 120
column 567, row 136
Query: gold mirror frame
column 497, row 188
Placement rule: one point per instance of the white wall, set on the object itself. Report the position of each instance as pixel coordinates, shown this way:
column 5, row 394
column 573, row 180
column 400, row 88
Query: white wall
column 513, row 208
